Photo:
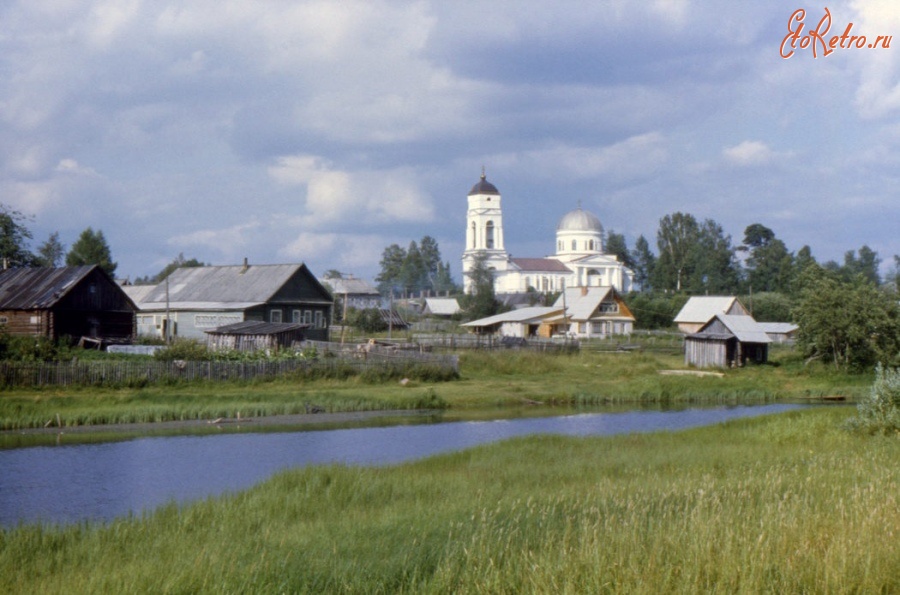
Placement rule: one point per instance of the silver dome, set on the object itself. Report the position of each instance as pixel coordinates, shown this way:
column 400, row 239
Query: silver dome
column 579, row 220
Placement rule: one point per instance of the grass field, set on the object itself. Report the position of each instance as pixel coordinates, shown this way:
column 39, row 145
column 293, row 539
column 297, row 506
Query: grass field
column 487, row 379
column 781, row 504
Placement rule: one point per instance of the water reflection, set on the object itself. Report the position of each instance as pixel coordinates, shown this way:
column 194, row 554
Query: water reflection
column 65, row 484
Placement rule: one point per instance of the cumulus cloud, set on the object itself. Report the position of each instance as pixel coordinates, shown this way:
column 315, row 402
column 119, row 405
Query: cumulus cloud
column 353, row 196
column 749, row 152
column 352, row 251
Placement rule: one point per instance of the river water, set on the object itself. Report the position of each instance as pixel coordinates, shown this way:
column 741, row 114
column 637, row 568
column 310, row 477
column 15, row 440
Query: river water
column 98, row 482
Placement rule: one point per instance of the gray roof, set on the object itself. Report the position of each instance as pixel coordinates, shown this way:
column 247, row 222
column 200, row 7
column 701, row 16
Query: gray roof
column 543, row 265
column 351, row 287
column 778, row 328
column 137, row 293
column 581, row 304
column 442, row 306
column 701, row 309
column 532, row 314
column 38, row 288
column 744, row 328
column 223, row 287
column 579, row 220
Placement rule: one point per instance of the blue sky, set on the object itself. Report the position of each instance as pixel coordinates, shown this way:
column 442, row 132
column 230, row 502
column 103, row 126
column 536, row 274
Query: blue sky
column 322, row 132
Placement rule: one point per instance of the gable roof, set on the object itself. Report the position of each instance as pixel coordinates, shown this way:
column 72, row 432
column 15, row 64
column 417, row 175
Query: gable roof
column 744, row 328
column 257, row 327
column 39, row 288
column 442, row 306
column 778, row 328
column 234, row 286
column 700, row 309
column 523, row 315
column 352, row 287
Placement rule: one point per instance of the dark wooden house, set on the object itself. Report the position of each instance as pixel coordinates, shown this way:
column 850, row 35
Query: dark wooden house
column 727, row 340
column 77, row 302
column 255, row 336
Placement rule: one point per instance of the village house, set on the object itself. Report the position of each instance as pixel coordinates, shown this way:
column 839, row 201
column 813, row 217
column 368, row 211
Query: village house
column 193, row 300
column 700, row 309
column 355, row 293
column 727, row 341
column 579, row 312
column 81, row 302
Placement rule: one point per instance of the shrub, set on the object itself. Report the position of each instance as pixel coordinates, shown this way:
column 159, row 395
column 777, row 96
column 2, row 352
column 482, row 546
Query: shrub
column 879, row 412
column 184, row 349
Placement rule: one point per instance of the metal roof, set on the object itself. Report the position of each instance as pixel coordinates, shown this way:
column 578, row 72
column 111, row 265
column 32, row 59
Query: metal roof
column 532, row 314
column 442, row 306
column 581, row 304
column 351, row 287
column 137, row 293
column 744, row 328
column 701, row 309
column 238, row 283
column 542, row 265
column 579, row 220
column 38, row 288
column 778, row 328
column 484, row 187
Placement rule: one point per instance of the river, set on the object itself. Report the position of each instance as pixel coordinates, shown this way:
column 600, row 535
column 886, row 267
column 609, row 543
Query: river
column 99, row 482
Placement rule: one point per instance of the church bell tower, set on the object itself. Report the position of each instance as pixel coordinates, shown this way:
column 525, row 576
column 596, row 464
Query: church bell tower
column 484, row 229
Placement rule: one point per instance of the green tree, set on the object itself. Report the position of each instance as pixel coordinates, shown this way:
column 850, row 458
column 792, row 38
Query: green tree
column 51, row 253
column 482, row 301
column 644, row 262
column 14, row 238
column 712, row 265
column 412, row 272
column 853, row 325
column 677, row 240
column 866, row 264
column 91, row 248
column 770, row 266
column 391, row 265
column 443, row 280
column 616, row 244
column 179, row 262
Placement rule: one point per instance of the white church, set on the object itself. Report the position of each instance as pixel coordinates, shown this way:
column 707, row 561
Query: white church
column 579, row 260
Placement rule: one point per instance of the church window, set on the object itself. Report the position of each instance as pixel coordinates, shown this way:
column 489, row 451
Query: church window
column 489, row 235
column 473, row 234
column 591, row 245
column 574, row 245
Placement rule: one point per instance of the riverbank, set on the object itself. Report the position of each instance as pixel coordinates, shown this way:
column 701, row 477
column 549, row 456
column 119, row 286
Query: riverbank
column 487, row 380
column 784, row 503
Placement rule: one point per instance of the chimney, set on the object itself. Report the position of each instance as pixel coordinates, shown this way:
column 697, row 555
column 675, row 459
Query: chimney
column 584, row 290
column 246, row 266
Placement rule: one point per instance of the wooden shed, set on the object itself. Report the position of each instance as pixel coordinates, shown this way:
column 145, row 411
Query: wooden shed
column 77, row 302
column 727, row 341
column 254, row 335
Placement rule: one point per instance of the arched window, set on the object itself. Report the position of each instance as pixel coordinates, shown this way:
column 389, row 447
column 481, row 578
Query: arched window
column 489, row 235
column 474, row 241
column 591, row 245
column 574, row 245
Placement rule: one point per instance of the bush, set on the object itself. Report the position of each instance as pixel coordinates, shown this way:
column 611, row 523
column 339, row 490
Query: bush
column 879, row 412
column 184, row 349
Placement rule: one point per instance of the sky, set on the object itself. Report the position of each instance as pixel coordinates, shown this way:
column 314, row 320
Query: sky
column 322, row 132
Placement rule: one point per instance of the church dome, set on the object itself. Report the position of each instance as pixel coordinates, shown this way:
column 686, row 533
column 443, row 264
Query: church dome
column 579, row 220
column 484, row 187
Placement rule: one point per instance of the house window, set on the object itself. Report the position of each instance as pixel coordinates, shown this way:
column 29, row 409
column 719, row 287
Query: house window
column 4, row 319
column 296, row 316
column 275, row 316
column 307, row 317
column 320, row 320
column 609, row 307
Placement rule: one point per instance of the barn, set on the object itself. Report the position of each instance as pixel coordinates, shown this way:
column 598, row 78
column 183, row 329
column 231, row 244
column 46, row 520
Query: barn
column 76, row 302
column 727, row 340
column 254, row 335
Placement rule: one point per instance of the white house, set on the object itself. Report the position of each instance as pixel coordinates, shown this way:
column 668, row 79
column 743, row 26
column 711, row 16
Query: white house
column 579, row 259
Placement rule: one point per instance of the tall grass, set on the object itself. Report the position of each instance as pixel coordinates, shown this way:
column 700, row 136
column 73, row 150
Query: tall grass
column 788, row 503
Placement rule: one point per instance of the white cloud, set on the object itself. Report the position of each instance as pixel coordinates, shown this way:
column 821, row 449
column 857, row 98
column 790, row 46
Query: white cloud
column 749, row 152
column 346, row 252
column 359, row 197
column 229, row 242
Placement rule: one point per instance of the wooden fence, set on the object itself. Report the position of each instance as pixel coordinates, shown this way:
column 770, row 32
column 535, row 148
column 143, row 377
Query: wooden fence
column 490, row 342
column 133, row 373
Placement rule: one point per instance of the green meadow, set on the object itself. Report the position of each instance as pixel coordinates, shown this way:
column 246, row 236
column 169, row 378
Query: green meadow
column 486, row 380
column 778, row 504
